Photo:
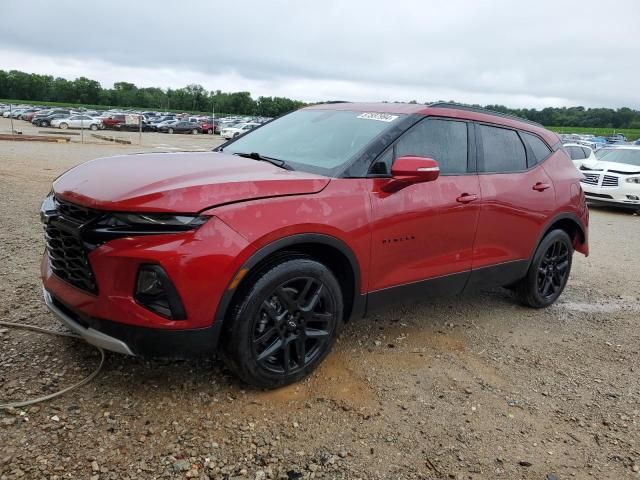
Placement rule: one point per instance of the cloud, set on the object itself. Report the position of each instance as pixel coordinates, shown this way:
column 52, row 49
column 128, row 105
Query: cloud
column 543, row 53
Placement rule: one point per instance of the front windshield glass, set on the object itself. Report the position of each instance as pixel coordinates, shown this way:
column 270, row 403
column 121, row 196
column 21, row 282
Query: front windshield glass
column 621, row 155
column 318, row 141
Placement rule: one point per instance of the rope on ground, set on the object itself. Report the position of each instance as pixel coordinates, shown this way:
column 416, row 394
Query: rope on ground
column 64, row 390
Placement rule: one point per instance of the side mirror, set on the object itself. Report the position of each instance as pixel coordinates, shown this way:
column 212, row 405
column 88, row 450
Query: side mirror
column 409, row 170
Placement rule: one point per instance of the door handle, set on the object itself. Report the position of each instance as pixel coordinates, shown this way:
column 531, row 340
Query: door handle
column 466, row 198
column 541, row 187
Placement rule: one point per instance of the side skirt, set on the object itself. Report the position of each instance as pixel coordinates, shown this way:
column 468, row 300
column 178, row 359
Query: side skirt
column 454, row 284
column 497, row 275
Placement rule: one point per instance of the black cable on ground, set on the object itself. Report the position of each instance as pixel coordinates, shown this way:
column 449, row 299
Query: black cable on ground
column 64, row 390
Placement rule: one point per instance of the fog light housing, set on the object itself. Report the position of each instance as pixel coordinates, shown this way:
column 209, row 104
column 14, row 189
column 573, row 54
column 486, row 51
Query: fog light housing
column 633, row 197
column 155, row 291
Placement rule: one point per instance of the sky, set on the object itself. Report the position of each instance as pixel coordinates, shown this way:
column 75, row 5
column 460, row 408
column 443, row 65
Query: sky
column 519, row 54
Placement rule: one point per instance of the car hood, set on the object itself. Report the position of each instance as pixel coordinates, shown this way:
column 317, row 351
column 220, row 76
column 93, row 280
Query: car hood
column 186, row 182
column 616, row 167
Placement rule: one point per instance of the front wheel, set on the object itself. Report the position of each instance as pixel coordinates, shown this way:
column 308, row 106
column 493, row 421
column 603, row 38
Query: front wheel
column 284, row 324
column 210, row 131
column 64, row 126
column 194, row 131
column 170, row 130
column 93, row 127
column 549, row 271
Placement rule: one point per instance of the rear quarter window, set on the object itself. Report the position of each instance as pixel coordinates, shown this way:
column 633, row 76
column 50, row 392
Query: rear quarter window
column 537, row 147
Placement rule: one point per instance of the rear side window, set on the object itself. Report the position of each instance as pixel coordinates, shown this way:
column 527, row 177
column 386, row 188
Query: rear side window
column 576, row 153
column 443, row 140
column 587, row 151
column 537, row 147
column 502, row 150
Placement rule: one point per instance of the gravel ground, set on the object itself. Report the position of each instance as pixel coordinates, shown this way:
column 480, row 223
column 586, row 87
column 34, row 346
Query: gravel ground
column 475, row 387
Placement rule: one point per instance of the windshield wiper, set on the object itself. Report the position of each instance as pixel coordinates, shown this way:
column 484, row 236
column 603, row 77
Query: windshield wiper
column 274, row 161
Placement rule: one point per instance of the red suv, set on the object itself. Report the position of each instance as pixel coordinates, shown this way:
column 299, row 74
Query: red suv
column 263, row 248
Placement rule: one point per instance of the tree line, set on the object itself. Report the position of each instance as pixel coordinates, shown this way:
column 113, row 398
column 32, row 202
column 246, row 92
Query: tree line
column 16, row 85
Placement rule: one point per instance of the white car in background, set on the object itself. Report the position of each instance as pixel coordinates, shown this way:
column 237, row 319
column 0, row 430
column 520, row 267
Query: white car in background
column 77, row 121
column 237, row 130
column 579, row 153
column 614, row 178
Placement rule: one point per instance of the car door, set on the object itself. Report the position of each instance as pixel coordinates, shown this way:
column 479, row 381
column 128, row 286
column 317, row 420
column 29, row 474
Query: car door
column 422, row 235
column 517, row 199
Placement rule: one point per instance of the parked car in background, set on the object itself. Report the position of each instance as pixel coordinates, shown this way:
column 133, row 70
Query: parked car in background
column 46, row 121
column 210, row 127
column 112, row 120
column 616, row 138
column 237, row 130
column 28, row 115
column 579, row 153
column 134, row 127
column 77, row 121
column 614, row 179
column 181, row 127
column 265, row 247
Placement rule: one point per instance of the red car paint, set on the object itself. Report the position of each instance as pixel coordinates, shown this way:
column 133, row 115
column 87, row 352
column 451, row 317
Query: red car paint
column 426, row 230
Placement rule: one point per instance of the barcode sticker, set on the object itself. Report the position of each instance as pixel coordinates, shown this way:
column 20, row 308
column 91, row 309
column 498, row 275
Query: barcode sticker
column 381, row 117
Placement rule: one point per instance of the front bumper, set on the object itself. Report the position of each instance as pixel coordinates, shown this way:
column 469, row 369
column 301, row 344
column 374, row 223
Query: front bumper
column 92, row 336
column 199, row 263
column 614, row 197
column 133, row 340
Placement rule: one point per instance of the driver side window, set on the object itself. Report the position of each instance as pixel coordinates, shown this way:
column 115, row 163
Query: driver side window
column 443, row 140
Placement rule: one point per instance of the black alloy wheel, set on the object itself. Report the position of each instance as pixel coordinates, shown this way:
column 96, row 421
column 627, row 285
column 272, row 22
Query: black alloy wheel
column 284, row 322
column 553, row 269
column 293, row 325
column 548, row 272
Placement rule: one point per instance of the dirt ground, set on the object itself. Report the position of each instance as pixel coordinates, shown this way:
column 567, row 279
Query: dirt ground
column 475, row 387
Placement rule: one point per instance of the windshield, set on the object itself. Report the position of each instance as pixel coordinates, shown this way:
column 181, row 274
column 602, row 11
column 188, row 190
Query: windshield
column 319, row 141
column 621, row 155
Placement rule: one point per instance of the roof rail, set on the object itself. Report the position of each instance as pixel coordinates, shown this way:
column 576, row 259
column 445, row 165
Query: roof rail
column 482, row 110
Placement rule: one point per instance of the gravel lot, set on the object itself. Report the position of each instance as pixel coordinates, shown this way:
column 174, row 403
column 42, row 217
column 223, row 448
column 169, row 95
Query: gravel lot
column 475, row 387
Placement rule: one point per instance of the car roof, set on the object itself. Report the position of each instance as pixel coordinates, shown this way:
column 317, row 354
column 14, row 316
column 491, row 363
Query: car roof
column 450, row 110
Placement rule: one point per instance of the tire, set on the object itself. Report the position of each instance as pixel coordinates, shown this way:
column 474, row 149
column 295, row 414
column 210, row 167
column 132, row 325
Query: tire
column 194, row 131
column 235, row 135
column 64, row 126
column 210, row 131
column 93, row 127
column 170, row 130
column 549, row 271
column 267, row 336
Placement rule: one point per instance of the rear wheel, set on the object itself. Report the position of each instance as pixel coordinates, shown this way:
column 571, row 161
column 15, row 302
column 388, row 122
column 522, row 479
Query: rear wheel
column 94, row 127
column 284, row 325
column 170, row 130
column 549, row 271
column 194, row 131
column 64, row 126
column 210, row 131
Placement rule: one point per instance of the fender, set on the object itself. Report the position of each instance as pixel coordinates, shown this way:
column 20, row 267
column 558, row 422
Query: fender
column 359, row 301
column 562, row 216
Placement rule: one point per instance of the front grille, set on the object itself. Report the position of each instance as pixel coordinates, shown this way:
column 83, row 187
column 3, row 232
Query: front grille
column 590, row 178
column 68, row 258
column 75, row 213
column 610, row 181
column 66, row 250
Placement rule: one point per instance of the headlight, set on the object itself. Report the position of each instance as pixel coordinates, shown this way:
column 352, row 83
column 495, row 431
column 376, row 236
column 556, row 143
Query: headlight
column 633, row 180
column 151, row 223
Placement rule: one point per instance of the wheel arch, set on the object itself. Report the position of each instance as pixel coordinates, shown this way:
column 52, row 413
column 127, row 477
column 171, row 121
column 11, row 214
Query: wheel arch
column 329, row 250
column 571, row 224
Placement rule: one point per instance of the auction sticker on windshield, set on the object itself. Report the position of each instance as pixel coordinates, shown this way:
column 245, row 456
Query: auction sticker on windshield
column 381, row 117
